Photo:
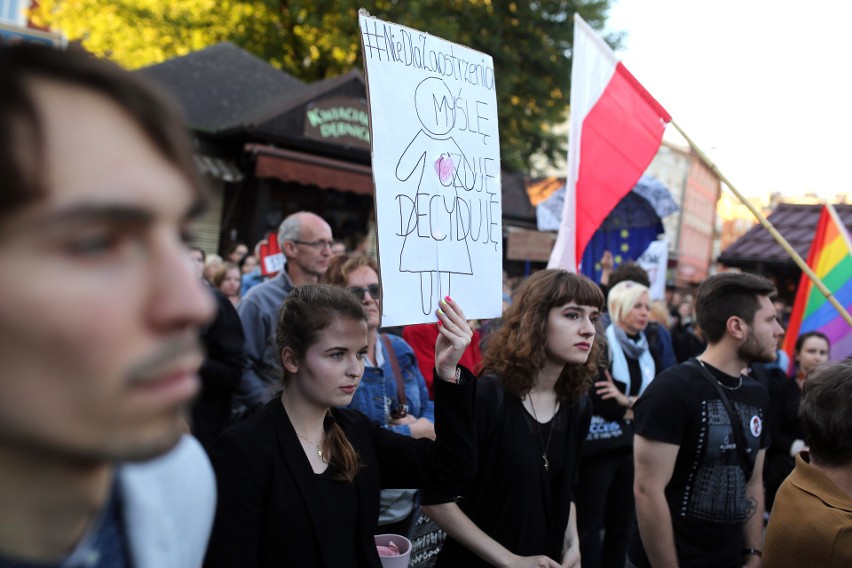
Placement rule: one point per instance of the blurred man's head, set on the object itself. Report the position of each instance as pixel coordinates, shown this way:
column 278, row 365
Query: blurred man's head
column 826, row 413
column 100, row 306
column 306, row 241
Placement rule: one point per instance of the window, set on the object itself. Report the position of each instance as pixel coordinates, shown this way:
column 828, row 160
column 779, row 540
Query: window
column 12, row 11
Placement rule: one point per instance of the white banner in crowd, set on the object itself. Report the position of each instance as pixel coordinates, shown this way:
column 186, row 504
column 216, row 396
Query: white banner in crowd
column 436, row 167
column 655, row 261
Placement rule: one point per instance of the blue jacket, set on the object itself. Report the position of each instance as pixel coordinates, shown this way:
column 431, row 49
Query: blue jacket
column 377, row 393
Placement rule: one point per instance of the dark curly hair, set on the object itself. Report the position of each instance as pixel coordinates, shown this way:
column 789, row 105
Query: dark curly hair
column 516, row 352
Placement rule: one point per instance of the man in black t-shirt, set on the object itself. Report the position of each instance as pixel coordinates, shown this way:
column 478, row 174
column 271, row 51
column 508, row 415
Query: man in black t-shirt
column 699, row 499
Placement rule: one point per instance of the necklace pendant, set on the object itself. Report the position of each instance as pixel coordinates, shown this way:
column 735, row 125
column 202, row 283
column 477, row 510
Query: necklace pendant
column 546, row 463
column 319, row 453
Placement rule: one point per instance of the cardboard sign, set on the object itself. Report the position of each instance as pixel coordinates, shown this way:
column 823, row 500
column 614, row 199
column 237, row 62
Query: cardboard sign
column 271, row 258
column 655, row 261
column 530, row 245
column 436, row 167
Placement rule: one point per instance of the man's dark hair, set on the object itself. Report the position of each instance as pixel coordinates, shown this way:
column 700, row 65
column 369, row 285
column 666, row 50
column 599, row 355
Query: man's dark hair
column 22, row 138
column 725, row 295
column 629, row 271
column 826, row 413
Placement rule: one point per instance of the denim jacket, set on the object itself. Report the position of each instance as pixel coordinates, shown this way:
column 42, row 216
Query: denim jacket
column 377, row 394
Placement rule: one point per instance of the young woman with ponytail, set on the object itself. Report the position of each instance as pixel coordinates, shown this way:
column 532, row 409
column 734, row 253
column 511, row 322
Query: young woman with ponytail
column 299, row 482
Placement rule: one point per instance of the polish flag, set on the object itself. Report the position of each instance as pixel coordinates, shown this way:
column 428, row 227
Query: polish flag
column 614, row 131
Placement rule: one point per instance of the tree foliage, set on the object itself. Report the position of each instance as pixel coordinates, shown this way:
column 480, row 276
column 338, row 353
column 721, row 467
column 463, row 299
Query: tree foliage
column 530, row 42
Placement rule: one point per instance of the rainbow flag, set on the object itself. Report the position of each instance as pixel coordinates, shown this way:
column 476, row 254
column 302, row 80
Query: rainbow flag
column 830, row 258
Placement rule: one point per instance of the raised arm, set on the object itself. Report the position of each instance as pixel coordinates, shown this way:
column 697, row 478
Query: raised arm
column 655, row 463
column 451, row 460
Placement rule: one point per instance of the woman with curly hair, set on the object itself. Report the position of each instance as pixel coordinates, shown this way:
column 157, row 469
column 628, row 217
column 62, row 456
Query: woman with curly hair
column 532, row 415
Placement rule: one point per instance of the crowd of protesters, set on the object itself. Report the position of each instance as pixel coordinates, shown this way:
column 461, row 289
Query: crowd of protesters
column 588, row 426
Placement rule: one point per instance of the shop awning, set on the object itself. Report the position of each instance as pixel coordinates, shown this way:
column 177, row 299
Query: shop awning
column 308, row 169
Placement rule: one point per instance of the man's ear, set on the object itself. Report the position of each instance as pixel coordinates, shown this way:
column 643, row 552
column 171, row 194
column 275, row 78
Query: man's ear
column 736, row 327
column 288, row 248
column 289, row 360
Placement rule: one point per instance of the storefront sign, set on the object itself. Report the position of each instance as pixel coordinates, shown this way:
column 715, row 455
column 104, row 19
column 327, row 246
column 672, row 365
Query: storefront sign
column 339, row 120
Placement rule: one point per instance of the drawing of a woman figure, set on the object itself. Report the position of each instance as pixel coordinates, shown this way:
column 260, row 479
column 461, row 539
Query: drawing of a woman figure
column 436, row 231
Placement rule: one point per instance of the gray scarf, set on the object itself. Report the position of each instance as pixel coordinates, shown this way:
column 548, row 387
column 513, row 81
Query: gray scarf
column 632, row 349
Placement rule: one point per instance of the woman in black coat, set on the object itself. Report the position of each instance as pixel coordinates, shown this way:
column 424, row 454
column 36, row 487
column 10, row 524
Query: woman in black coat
column 299, row 482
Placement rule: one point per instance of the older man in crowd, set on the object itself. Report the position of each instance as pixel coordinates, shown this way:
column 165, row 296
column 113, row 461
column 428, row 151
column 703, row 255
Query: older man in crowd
column 305, row 239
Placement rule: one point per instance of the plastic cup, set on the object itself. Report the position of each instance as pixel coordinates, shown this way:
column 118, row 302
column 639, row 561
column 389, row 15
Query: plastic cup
column 397, row 560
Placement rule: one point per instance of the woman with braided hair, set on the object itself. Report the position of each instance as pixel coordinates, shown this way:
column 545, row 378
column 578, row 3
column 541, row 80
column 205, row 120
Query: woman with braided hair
column 299, row 482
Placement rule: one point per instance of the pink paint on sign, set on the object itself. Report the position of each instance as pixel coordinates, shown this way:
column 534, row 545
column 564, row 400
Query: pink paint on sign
column 444, row 167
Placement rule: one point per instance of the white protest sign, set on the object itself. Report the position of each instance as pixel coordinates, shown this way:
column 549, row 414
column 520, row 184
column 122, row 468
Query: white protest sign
column 436, row 166
column 655, row 261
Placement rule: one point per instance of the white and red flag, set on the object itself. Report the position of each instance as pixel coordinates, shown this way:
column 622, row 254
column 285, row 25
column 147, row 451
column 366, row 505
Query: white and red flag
column 614, row 131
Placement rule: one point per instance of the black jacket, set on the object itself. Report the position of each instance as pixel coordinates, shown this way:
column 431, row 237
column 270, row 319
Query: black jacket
column 267, row 514
column 220, row 374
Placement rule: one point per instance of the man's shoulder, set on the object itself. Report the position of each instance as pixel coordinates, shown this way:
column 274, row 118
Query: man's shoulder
column 678, row 376
column 274, row 289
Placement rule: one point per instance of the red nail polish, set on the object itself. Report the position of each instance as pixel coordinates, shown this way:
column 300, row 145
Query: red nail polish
column 439, row 323
column 449, row 299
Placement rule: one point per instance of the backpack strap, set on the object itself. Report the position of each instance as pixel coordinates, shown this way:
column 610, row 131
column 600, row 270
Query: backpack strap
column 736, row 423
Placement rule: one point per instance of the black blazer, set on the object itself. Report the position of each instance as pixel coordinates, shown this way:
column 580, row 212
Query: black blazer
column 266, row 485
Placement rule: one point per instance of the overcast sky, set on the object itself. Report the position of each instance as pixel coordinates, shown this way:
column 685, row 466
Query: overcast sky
column 763, row 86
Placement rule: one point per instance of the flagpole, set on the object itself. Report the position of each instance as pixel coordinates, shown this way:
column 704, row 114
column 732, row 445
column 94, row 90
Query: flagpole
column 769, row 227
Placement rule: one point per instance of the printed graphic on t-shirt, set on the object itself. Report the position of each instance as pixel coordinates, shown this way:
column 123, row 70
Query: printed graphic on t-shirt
column 756, row 426
column 601, row 429
column 715, row 492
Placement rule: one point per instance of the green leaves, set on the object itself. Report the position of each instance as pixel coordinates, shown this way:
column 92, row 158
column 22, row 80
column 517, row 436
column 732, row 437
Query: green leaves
column 530, row 42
